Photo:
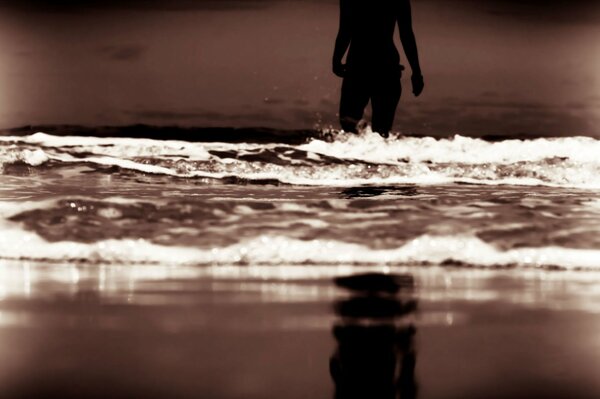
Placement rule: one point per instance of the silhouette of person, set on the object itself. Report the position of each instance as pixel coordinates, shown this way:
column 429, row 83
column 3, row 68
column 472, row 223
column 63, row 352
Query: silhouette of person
column 372, row 70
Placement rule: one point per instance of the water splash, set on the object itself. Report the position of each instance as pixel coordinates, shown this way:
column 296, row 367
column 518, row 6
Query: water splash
column 338, row 159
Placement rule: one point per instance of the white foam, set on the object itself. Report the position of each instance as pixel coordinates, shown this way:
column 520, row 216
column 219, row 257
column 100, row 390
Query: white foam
column 14, row 154
column 345, row 176
column 115, row 147
column 16, row 243
column 371, row 147
column 366, row 146
column 556, row 162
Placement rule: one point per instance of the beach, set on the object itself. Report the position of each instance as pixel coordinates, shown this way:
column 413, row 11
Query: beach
column 152, row 268
column 256, row 199
column 158, row 331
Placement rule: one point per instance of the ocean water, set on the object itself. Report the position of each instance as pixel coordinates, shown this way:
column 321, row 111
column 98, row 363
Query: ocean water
column 264, row 267
column 336, row 199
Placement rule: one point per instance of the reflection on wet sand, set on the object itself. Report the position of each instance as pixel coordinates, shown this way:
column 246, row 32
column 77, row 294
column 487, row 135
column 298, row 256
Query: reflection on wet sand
column 375, row 355
column 159, row 331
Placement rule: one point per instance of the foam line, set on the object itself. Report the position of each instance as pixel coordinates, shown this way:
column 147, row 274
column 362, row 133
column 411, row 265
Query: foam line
column 16, row 243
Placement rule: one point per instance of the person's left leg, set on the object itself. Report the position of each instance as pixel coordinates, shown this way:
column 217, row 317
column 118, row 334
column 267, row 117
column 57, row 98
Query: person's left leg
column 384, row 101
column 354, row 99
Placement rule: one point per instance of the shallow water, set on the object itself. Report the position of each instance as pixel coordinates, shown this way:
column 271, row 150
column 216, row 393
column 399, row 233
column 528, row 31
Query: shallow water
column 78, row 213
column 170, row 269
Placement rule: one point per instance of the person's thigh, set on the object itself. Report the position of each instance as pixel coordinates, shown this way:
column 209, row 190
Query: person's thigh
column 354, row 99
column 384, row 100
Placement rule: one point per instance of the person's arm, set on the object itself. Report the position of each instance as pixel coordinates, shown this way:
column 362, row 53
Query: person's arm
column 407, row 37
column 342, row 41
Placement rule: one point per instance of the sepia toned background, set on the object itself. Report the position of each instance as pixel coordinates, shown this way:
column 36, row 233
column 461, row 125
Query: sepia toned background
column 491, row 67
column 267, row 263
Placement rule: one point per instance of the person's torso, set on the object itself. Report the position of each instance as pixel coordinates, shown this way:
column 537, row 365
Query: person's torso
column 373, row 23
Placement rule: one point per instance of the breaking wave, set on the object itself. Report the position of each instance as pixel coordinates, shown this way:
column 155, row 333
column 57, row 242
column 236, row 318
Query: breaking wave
column 455, row 250
column 333, row 158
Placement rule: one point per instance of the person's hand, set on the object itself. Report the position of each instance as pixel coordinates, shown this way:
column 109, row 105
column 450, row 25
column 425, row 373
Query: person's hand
column 339, row 69
column 417, row 84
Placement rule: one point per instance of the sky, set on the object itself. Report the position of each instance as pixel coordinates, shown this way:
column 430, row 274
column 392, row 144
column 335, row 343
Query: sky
column 490, row 66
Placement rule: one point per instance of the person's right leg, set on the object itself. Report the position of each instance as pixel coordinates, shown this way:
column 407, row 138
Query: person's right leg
column 384, row 100
column 354, row 99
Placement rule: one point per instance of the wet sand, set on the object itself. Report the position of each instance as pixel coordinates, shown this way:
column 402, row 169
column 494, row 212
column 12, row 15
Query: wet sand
column 159, row 331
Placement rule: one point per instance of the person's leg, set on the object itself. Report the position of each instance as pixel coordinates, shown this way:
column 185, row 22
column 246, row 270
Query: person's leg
column 353, row 101
column 384, row 101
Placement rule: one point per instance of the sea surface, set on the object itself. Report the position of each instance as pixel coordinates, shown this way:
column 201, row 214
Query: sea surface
column 300, row 265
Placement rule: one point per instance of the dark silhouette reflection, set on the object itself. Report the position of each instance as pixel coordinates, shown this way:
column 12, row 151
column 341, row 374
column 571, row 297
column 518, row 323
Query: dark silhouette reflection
column 375, row 355
column 374, row 191
column 372, row 69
